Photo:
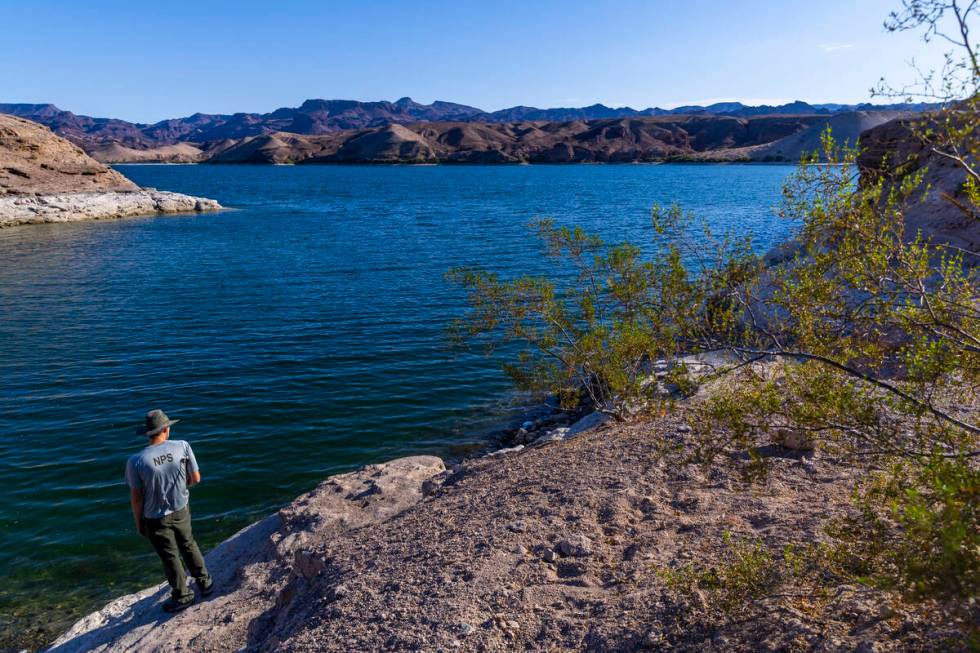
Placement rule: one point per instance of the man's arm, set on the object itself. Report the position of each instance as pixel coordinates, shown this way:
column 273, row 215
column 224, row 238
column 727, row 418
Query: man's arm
column 193, row 471
column 136, row 503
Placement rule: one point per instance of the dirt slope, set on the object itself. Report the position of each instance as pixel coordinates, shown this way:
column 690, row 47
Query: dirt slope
column 845, row 127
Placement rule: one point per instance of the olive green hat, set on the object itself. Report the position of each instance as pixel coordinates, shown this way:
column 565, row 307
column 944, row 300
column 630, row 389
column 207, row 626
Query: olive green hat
column 156, row 421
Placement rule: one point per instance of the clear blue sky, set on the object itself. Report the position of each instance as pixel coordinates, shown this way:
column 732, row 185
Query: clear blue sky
column 146, row 61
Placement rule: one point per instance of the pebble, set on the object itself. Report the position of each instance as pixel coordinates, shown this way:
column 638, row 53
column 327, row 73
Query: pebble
column 548, row 555
column 683, row 428
column 577, row 546
column 652, row 641
column 465, row 629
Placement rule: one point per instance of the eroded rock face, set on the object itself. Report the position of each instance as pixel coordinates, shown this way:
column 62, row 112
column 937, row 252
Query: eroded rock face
column 259, row 570
column 891, row 150
column 35, row 161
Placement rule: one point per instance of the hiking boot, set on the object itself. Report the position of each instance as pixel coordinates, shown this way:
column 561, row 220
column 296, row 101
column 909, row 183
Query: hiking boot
column 206, row 590
column 173, row 605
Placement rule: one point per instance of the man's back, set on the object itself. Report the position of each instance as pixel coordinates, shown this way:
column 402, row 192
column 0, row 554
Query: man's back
column 161, row 471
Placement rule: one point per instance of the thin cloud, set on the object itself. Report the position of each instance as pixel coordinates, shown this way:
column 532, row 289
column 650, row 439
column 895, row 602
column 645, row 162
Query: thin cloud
column 834, row 47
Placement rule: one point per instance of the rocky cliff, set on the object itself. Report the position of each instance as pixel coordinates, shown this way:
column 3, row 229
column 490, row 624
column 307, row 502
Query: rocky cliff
column 942, row 213
column 35, row 161
column 45, row 178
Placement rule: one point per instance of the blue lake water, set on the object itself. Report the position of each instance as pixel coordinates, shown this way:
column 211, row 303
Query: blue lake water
column 299, row 335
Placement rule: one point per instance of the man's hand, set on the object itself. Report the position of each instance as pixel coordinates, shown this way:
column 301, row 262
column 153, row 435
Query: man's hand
column 136, row 503
column 193, row 479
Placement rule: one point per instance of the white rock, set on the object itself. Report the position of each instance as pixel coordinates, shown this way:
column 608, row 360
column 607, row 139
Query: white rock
column 795, row 440
column 501, row 452
column 587, row 423
column 69, row 207
column 551, row 436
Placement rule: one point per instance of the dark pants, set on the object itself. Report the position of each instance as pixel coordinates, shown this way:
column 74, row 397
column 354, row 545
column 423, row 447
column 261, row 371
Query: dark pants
column 172, row 538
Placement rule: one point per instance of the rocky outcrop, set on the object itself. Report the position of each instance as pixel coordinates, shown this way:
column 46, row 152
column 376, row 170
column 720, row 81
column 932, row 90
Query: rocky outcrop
column 35, row 161
column 44, row 178
column 69, row 207
column 258, row 570
column 942, row 212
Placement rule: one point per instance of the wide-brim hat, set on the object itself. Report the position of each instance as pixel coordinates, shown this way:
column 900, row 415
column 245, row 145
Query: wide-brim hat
column 156, row 421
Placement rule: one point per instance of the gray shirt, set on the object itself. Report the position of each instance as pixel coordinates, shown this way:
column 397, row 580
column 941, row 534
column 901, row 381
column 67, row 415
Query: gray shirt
column 161, row 471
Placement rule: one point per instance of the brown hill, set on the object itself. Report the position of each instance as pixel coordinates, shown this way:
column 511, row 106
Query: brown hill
column 179, row 153
column 612, row 140
column 33, row 161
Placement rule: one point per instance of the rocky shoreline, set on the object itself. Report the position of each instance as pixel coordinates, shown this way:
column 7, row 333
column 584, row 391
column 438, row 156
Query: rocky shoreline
column 69, row 207
column 564, row 543
column 261, row 564
column 44, row 178
column 364, row 497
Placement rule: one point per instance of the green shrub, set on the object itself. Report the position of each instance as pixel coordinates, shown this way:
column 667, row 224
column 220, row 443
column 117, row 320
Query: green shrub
column 918, row 529
column 745, row 571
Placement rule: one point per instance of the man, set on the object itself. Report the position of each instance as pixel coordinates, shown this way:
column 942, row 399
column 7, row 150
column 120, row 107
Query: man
column 158, row 478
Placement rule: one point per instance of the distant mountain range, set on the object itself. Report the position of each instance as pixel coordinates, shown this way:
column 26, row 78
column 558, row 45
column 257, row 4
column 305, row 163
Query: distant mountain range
column 318, row 117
